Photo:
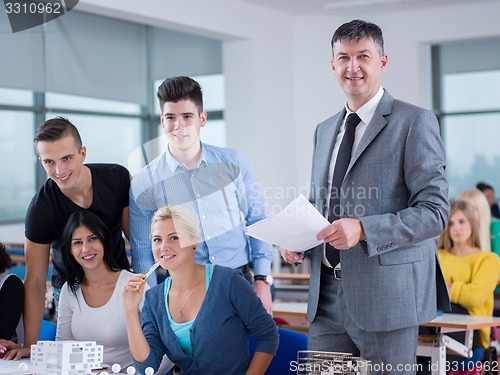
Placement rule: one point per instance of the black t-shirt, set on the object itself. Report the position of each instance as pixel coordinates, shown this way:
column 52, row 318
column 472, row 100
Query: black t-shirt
column 50, row 209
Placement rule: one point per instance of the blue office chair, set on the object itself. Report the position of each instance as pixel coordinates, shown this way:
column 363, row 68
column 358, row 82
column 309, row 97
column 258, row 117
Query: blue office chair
column 47, row 331
column 290, row 343
column 50, row 270
column 19, row 270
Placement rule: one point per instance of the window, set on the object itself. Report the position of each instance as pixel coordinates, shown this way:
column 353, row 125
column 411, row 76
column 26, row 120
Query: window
column 103, row 87
column 471, row 91
column 468, row 104
column 472, row 148
column 108, row 139
column 101, row 123
column 82, row 103
column 16, row 97
column 17, row 153
column 214, row 132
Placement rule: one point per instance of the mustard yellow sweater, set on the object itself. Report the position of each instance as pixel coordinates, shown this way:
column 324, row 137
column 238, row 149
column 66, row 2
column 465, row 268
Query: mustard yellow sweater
column 474, row 279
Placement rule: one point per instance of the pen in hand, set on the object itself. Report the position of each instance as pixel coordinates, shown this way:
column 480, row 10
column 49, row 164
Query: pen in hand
column 150, row 271
column 296, row 264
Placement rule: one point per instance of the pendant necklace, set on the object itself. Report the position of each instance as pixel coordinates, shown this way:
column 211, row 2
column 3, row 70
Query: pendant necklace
column 179, row 309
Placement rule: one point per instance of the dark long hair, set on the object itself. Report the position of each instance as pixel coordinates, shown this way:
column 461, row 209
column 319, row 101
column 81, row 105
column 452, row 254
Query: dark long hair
column 74, row 271
column 5, row 260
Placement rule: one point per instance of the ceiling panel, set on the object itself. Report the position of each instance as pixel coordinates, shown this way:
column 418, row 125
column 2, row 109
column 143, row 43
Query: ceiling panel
column 300, row 7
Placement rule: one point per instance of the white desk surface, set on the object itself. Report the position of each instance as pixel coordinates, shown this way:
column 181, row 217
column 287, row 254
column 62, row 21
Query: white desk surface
column 290, row 308
column 12, row 367
column 463, row 322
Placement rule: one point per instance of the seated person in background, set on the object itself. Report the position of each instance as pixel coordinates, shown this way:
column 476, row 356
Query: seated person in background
column 90, row 305
column 482, row 215
column 489, row 193
column 202, row 315
column 11, row 298
column 470, row 274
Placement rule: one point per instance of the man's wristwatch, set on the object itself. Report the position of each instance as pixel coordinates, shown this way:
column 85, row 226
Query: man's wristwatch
column 268, row 279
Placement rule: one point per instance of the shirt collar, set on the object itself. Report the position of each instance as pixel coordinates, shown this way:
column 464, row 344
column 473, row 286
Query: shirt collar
column 366, row 112
column 173, row 164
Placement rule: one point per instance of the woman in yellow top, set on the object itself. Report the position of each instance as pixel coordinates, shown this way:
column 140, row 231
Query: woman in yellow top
column 471, row 274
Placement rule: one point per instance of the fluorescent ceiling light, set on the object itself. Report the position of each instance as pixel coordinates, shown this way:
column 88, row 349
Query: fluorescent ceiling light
column 339, row 5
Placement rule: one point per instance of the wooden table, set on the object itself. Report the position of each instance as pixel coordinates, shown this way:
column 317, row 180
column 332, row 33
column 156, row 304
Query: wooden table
column 17, row 259
column 291, row 286
column 294, row 313
column 290, row 276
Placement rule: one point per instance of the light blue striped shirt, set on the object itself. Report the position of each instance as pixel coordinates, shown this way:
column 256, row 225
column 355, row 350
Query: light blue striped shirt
column 221, row 191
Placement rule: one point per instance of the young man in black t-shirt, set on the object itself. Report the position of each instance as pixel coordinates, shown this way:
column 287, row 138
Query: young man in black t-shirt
column 72, row 186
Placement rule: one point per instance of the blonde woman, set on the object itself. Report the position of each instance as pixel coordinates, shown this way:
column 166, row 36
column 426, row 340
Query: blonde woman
column 470, row 274
column 202, row 315
column 482, row 212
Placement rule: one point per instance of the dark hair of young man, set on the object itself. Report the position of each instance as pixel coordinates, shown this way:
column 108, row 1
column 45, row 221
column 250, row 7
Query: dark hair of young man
column 175, row 89
column 5, row 260
column 74, row 271
column 57, row 128
column 357, row 30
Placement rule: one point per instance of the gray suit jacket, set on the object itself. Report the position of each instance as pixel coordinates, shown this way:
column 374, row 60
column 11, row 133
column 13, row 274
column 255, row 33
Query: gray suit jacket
column 395, row 184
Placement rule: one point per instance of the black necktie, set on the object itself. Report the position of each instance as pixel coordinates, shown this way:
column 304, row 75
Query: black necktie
column 341, row 164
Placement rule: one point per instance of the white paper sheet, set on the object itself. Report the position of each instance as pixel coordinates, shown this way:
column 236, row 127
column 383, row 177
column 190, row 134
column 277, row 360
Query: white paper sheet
column 295, row 228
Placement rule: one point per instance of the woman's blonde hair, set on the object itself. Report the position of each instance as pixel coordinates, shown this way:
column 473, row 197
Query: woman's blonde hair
column 484, row 215
column 445, row 241
column 181, row 218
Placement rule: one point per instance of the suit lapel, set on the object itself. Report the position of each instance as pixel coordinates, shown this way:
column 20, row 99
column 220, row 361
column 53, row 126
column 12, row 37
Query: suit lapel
column 326, row 142
column 377, row 123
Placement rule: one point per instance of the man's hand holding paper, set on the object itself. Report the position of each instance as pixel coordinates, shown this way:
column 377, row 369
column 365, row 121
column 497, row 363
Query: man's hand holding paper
column 296, row 228
column 343, row 234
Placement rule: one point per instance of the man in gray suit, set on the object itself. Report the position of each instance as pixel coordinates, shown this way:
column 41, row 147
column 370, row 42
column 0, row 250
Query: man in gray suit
column 384, row 215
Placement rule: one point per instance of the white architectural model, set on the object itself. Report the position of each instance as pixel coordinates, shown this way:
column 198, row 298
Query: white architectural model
column 65, row 357
column 311, row 362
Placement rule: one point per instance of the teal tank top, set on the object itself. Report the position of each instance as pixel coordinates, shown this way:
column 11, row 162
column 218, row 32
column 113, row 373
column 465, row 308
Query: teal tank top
column 182, row 330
